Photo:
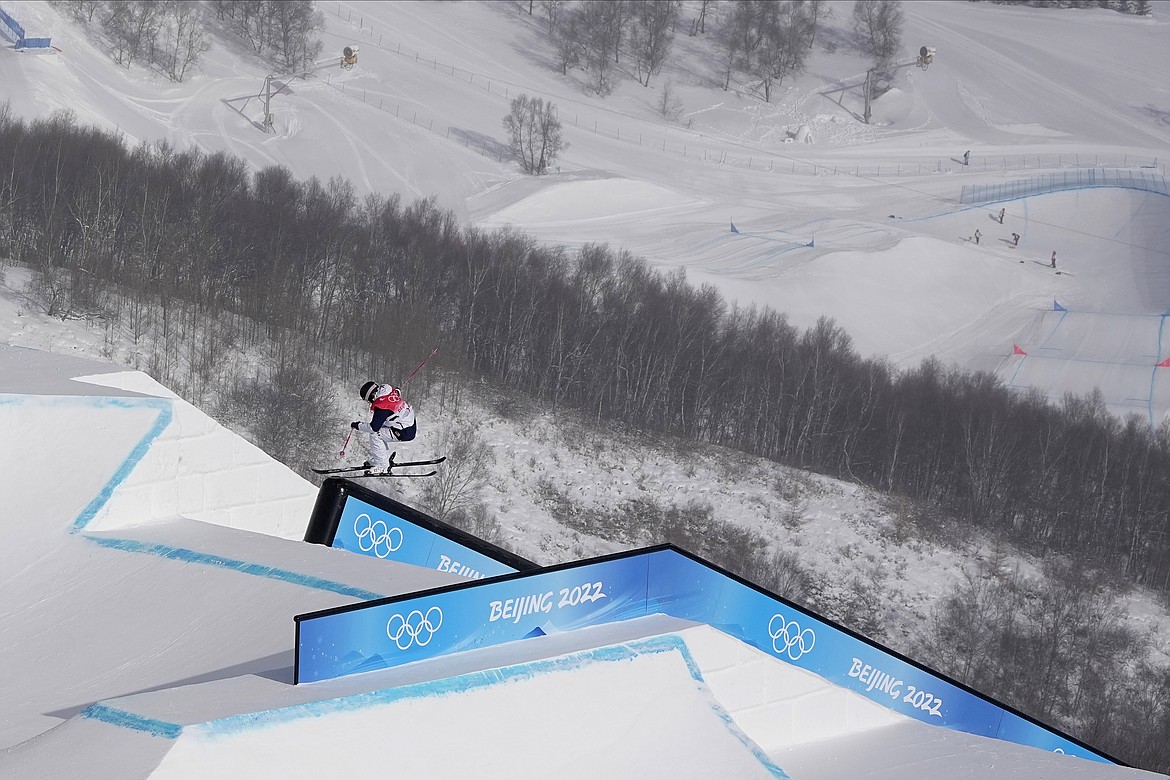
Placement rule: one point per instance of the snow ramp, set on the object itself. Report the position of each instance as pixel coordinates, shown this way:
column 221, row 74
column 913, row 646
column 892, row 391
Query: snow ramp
column 569, row 706
column 650, row 697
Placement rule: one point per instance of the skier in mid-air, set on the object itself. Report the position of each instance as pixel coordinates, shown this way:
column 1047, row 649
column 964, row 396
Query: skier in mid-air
column 392, row 421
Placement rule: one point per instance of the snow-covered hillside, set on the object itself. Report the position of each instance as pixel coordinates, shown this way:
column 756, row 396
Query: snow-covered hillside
column 863, row 224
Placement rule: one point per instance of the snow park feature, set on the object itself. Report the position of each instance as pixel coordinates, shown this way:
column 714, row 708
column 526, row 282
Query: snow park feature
column 22, row 41
column 348, row 516
column 668, row 581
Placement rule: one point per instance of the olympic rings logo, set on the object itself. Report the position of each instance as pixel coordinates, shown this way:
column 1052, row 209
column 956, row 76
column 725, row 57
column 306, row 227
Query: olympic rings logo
column 376, row 535
column 416, row 628
column 788, row 638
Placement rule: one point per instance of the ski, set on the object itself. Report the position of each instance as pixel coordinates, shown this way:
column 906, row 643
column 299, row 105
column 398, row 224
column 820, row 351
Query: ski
column 348, row 469
column 342, row 470
column 431, row 462
column 391, row 474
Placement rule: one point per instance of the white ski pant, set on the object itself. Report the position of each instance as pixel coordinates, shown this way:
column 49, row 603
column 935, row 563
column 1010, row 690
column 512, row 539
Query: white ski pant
column 382, row 443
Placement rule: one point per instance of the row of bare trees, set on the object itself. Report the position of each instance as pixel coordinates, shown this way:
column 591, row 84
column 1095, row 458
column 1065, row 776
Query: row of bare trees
column 595, row 35
column 170, row 35
column 283, row 32
column 770, row 41
column 767, row 39
column 1058, row 648
column 363, row 284
column 1138, row 7
column 597, row 329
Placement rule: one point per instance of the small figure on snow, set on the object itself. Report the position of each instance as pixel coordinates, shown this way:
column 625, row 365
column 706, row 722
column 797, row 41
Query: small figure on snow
column 1054, row 258
column 1015, row 239
column 967, row 157
column 978, row 235
column 393, row 420
column 1001, row 213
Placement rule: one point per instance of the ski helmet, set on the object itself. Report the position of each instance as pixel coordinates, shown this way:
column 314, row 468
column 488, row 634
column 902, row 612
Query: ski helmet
column 368, row 390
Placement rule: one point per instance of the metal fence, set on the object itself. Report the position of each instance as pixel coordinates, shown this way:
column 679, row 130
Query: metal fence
column 1082, row 178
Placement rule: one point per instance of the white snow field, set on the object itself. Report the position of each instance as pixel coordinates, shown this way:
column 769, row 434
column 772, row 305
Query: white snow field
column 149, row 562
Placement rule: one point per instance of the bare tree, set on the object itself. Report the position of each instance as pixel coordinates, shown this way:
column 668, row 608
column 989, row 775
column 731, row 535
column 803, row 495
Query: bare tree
column 652, row 34
column 246, row 19
column 295, row 24
column 81, row 10
column 567, row 42
column 186, row 37
column 456, row 489
column 614, row 14
column 534, row 133
column 669, row 104
column 816, row 10
column 729, row 41
column 781, row 52
column 133, row 28
column 553, row 11
column 879, row 23
column 599, row 42
column 699, row 23
column 289, row 389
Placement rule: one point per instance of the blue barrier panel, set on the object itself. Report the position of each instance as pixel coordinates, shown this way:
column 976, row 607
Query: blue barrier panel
column 686, row 588
column 13, row 25
column 661, row 580
column 1025, row 732
column 34, row 43
column 391, row 632
column 369, row 530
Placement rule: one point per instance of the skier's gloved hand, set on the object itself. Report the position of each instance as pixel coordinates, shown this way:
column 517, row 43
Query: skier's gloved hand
column 354, row 425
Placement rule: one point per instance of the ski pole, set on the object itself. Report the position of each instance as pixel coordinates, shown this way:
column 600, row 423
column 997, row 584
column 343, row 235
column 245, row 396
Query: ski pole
column 420, row 365
column 343, row 446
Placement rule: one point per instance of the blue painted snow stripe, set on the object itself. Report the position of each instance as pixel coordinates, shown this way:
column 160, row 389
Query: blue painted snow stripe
column 129, row 720
column 452, row 685
column 460, row 684
column 669, row 643
column 764, row 759
column 165, row 415
column 1012, row 382
column 244, row 567
column 165, row 409
column 1060, row 320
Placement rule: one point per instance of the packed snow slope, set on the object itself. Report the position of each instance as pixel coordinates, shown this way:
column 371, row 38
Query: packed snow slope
column 144, row 609
column 156, row 634
column 862, row 224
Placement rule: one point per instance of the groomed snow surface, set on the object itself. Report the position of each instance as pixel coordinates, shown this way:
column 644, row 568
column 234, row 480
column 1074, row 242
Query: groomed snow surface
column 156, row 638
column 149, row 558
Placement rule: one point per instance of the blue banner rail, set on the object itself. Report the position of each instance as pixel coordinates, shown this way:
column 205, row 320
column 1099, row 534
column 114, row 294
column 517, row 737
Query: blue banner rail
column 18, row 32
column 351, row 517
column 658, row 580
